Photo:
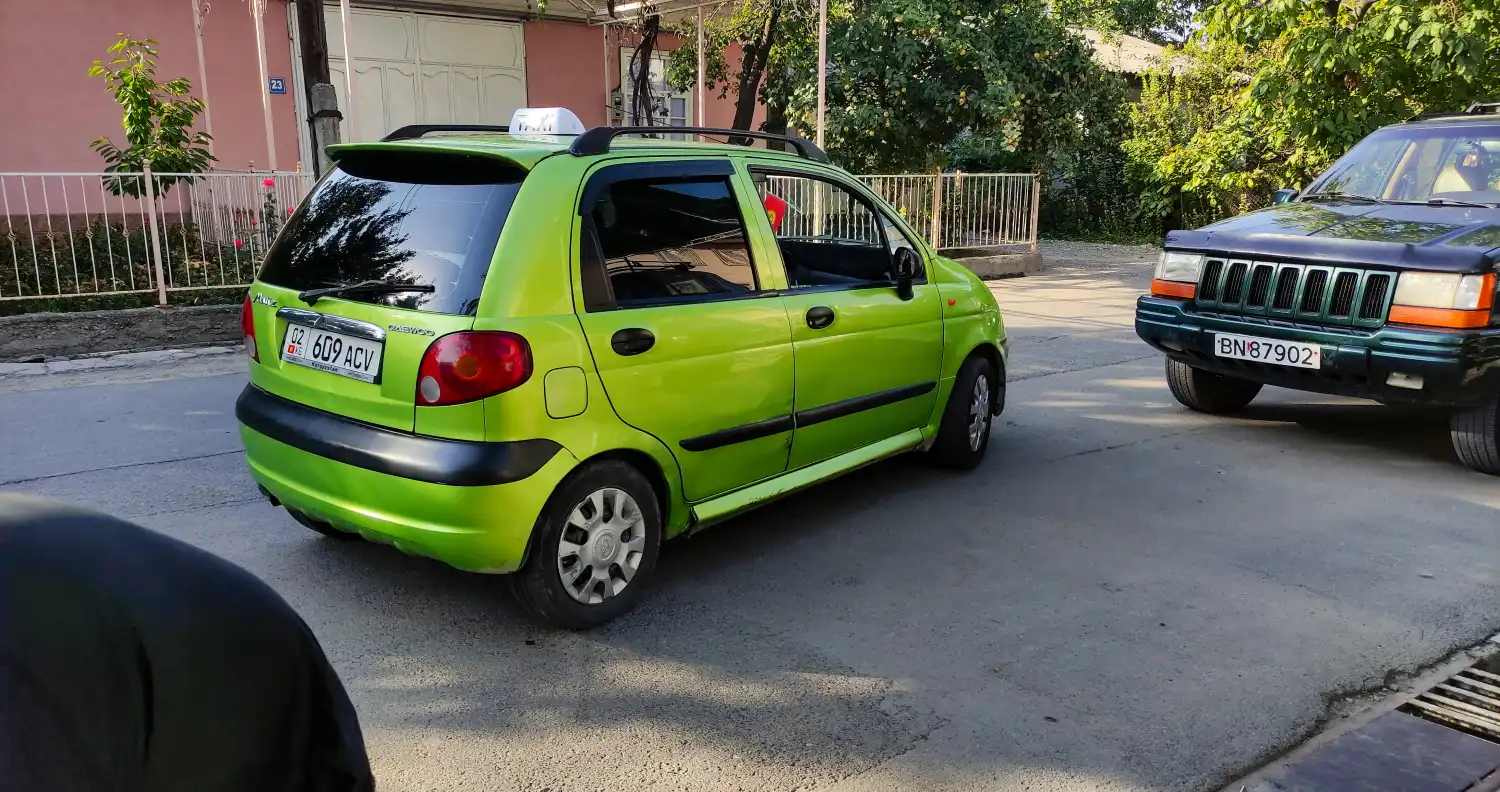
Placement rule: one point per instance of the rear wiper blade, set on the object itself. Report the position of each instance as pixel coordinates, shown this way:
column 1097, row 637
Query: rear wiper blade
column 1335, row 195
column 311, row 296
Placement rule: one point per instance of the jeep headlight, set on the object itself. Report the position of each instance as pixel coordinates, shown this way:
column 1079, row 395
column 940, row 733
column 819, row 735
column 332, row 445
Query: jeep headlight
column 1442, row 290
column 1179, row 267
column 1443, row 299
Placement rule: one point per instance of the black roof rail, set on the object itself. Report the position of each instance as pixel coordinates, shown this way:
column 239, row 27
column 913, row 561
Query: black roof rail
column 1477, row 108
column 414, row 131
column 597, row 140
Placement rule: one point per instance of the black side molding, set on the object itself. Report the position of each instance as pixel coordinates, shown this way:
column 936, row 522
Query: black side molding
column 434, row 460
column 739, row 434
column 828, row 412
column 816, row 415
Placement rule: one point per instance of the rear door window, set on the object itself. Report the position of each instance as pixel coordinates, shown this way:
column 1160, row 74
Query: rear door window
column 663, row 241
column 407, row 218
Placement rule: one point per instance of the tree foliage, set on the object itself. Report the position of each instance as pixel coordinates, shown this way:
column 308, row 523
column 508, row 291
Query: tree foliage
column 1274, row 90
column 158, row 119
column 907, row 77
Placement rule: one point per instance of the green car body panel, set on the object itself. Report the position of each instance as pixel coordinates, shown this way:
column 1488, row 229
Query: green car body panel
column 715, row 366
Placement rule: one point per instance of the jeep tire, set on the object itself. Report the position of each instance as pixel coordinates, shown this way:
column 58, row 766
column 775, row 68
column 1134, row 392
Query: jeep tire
column 1208, row 392
column 1473, row 431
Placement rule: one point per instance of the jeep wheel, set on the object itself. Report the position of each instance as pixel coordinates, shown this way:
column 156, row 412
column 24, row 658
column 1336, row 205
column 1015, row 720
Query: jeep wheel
column 593, row 549
column 1208, row 392
column 1473, row 431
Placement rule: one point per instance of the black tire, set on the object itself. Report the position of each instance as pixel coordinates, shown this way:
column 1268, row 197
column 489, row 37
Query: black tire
column 1473, row 431
column 539, row 585
column 954, row 447
column 1208, row 392
column 322, row 527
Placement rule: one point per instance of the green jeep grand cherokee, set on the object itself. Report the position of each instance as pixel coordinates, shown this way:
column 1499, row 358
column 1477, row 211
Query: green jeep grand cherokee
column 545, row 354
column 1378, row 281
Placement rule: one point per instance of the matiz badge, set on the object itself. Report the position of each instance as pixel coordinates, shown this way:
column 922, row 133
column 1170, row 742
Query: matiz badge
column 262, row 299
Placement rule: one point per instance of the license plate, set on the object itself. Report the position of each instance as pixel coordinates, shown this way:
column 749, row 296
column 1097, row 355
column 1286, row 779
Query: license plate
column 1268, row 350
column 335, row 353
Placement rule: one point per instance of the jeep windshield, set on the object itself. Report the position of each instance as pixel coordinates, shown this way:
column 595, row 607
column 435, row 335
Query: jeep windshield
column 1457, row 165
column 412, row 230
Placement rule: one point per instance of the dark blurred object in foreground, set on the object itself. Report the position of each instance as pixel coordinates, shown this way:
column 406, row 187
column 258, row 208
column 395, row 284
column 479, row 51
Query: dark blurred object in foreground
column 132, row 661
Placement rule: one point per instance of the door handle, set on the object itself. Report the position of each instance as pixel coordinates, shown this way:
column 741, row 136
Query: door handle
column 819, row 317
column 632, row 341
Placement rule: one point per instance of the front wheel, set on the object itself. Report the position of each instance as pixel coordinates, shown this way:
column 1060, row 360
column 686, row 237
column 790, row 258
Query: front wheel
column 1208, row 392
column 1473, row 431
column 593, row 549
column 964, row 434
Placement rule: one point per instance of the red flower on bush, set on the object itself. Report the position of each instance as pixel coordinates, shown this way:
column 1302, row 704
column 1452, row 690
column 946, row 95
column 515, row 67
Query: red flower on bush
column 252, row 221
column 268, row 182
column 238, row 243
column 291, row 209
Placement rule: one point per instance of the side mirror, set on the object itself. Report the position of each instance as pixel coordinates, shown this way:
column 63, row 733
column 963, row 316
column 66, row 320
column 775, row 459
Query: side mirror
column 1284, row 195
column 906, row 265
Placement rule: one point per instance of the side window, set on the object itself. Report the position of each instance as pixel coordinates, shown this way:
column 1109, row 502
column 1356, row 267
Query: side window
column 663, row 241
column 894, row 237
column 828, row 235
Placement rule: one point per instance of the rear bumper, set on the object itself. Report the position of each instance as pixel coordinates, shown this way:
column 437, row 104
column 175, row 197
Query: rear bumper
column 401, row 489
column 1457, row 368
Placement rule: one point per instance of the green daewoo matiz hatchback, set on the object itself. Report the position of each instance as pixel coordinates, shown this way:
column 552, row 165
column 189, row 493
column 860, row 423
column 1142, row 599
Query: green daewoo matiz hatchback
column 546, row 354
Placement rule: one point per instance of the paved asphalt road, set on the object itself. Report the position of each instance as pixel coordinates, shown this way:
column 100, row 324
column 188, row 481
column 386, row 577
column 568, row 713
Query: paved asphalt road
column 1125, row 596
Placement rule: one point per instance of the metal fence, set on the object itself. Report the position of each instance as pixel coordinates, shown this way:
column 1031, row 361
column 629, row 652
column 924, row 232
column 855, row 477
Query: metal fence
column 972, row 210
column 86, row 234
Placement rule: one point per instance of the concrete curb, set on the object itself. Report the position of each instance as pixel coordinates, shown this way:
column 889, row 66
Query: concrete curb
column 1003, row 265
column 112, row 361
column 38, row 336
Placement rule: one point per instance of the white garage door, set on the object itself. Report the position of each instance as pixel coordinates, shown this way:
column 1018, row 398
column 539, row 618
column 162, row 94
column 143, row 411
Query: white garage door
column 412, row 68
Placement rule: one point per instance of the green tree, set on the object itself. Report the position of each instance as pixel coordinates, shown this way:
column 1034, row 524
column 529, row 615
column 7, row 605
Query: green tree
column 158, row 120
column 1278, row 89
column 907, row 77
column 1327, row 73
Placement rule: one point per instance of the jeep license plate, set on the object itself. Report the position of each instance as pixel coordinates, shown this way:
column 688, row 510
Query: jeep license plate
column 1268, row 350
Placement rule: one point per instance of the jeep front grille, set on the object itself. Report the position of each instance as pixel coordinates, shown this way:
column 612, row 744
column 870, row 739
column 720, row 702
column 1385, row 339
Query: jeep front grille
column 1314, row 294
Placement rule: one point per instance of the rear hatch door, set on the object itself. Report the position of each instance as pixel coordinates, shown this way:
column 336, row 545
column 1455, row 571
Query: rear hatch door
column 399, row 242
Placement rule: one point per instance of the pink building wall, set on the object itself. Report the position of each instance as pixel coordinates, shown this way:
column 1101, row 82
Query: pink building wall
column 53, row 110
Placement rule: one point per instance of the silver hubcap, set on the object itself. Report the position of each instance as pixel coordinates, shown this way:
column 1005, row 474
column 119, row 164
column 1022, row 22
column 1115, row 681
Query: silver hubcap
column 601, row 546
column 979, row 413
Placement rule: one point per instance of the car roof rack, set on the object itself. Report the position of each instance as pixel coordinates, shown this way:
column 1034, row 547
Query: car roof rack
column 597, row 140
column 1478, row 108
column 415, row 131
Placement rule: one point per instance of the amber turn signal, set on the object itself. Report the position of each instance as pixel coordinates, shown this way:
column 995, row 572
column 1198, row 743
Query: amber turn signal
column 1163, row 288
column 1438, row 317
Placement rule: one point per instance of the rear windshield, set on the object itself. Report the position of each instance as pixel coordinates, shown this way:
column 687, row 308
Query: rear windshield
column 404, row 218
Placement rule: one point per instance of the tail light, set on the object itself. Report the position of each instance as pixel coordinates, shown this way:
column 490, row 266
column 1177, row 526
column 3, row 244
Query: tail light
column 247, row 329
column 465, row 367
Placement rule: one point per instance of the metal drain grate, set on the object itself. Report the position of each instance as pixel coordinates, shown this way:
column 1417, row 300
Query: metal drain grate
column 1468, row 700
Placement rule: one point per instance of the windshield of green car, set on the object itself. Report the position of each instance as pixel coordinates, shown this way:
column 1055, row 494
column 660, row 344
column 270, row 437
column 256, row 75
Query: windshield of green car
column 1419, row 164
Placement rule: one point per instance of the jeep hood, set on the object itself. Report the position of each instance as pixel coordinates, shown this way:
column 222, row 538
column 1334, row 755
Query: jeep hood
column 1395, row 236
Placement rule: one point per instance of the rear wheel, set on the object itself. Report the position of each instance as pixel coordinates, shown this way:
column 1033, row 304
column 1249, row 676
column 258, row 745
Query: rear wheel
column 593, row 549
column 1475, row 440
column 1208, row 392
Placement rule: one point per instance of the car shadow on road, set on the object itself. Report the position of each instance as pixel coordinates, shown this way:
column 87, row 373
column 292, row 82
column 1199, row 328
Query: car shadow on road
column 1419, row 432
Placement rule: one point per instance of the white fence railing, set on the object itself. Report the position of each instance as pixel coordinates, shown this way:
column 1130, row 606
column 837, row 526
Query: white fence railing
column 973, row 210
column 87, row 234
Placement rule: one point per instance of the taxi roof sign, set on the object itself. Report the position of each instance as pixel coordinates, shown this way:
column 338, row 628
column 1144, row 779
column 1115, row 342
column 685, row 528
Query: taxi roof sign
column 546, row 121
